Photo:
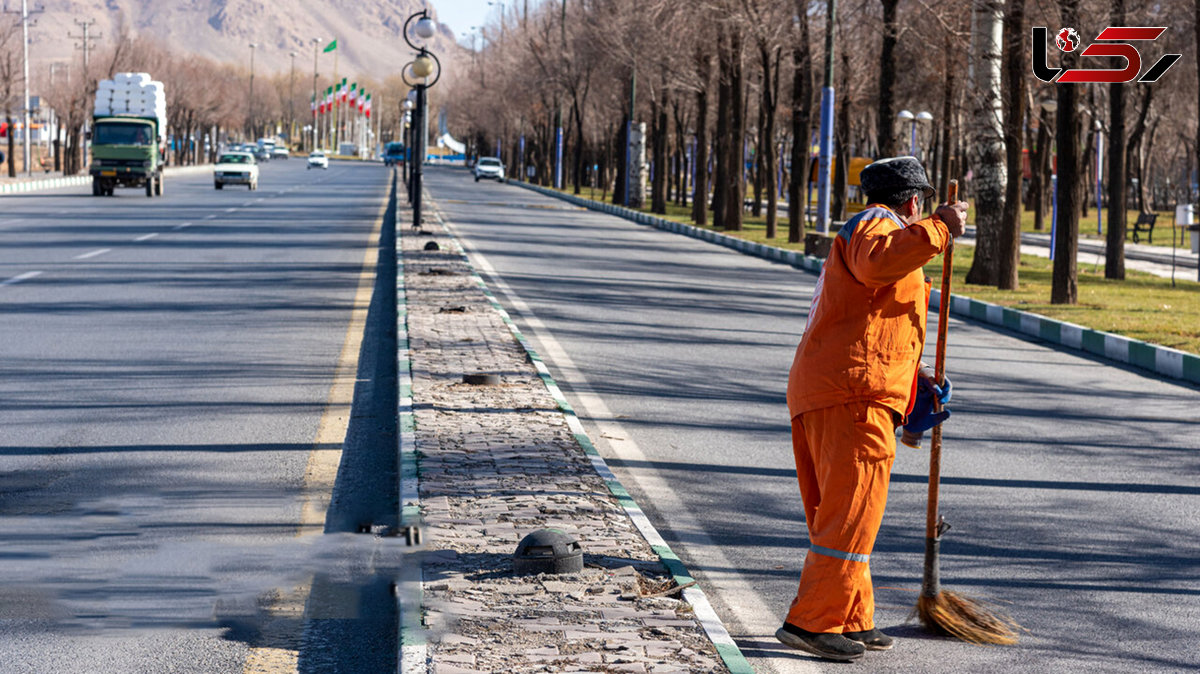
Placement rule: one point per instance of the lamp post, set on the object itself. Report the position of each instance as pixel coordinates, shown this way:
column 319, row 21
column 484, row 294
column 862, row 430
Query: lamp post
column 250, row 101
column 316, row 41
column 1099, row 173
column 422, row 67
column 408, row 142
column 919, row 118
column 292, row 100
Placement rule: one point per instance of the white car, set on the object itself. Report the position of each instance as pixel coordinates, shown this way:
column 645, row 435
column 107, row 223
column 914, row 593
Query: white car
column 489, row 167
column 280, row 152
column 318, row 160
column 235, row 168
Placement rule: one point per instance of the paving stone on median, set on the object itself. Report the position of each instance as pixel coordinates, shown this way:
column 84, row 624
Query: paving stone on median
column 497, row 462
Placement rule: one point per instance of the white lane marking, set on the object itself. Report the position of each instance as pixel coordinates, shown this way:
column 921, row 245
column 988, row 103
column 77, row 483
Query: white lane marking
column 183, row 225
column 94, row 253
column 210, row 217
column 248, row 203
column 146, row 237
column 752, row 614
column 20, row 277
column 230, row 210
column 257, row 200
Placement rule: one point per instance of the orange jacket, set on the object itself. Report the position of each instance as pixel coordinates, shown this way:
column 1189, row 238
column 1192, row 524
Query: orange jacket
column 866, row 327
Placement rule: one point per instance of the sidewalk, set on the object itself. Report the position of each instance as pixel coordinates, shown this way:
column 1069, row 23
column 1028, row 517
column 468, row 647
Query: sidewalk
column 53, row 180
column 495, row 463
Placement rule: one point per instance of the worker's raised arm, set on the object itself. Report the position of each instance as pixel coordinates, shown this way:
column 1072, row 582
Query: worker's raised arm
column 880, row 251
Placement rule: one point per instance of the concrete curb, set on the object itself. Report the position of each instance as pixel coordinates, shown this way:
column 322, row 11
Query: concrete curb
column 412, row 654
column 72, row 181
column 1160, row 360
column 709, row 621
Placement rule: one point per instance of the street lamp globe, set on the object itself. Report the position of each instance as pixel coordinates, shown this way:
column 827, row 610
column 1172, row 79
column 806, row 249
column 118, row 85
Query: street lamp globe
column 1049, row 105
column 424, row 28
column 422, row 66
column 924, row 117
column 408, row 104
column 905, row 115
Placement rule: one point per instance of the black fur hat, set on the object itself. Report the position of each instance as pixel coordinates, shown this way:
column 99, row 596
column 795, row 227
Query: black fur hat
column 888, row 176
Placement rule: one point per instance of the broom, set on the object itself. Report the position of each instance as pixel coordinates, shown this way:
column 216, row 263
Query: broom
column 941, row 611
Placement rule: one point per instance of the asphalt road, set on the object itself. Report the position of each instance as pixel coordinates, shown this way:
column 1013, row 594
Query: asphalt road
column 1070, row 483
column 167, row 365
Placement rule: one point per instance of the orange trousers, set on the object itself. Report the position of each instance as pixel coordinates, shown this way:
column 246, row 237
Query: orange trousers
column 844, row 459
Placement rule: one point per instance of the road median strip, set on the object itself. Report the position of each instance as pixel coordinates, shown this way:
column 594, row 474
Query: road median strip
column 1160, row 360
column 482, row 466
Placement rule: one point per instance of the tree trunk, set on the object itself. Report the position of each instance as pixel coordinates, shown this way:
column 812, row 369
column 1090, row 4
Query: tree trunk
column 1039, row 164
column 735, row 186
column 1064, row 288
column 802, row 100
column 721, row 134
column 841, row 136
column 700, row 160
column 887, row 80
column 577, row 112
column 658, row 189
column 948, row 91
column 987, row 144
column 770, row 98
column 1014, row 134
column 619, row 160
column 12, row 148
column 759, row 168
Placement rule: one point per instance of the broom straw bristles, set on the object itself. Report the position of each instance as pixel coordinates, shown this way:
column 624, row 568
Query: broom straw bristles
column 966, row 619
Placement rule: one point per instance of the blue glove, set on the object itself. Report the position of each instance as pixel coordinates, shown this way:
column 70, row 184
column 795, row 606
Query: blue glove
column 944, row 391
column 923, row 417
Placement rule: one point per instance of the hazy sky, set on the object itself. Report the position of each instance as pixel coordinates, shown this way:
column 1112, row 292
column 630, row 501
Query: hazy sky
column 460, row 15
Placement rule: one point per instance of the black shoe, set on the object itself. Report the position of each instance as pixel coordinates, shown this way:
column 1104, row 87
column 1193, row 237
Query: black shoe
column 872, row 639
column 822, row 644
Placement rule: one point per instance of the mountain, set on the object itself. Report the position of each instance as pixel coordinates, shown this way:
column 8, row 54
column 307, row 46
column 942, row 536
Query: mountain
column 368, row 32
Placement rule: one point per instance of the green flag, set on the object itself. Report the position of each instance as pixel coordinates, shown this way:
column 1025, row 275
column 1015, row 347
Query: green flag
column 331, row 46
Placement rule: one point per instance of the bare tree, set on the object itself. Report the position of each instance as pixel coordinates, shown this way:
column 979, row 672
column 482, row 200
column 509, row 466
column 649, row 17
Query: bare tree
column 1064, row 284
column 1015, row 63
column 987, row 144
column 802, row 103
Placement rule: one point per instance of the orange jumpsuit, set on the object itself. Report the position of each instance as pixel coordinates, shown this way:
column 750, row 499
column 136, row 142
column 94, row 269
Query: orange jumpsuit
column 853, row 377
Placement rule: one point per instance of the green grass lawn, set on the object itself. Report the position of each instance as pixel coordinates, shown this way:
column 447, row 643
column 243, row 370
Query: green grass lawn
column 1143, row 306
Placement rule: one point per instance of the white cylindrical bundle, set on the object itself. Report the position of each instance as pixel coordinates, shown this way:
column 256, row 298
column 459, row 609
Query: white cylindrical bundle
column 139, row 78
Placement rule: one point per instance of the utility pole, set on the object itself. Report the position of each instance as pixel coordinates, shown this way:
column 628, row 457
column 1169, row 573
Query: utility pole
column 250, row 101
column 316, row 41
column 825, row 163
column 292, row 100
column 86, row 41
column 25, row 22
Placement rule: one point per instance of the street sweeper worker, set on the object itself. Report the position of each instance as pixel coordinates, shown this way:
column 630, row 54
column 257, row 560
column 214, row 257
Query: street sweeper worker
column 854, row 380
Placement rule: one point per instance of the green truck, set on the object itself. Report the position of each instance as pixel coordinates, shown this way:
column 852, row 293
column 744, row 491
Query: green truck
column 127, row 151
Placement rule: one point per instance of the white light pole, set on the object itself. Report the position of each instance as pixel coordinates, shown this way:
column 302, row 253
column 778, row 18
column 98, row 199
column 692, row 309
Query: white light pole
column 25, row 57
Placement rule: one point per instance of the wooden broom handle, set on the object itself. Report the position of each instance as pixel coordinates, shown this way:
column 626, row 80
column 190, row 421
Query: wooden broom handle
column 939, row 374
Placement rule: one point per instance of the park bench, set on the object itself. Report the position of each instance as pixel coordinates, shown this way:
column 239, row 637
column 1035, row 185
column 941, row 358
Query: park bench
column 1144, row 224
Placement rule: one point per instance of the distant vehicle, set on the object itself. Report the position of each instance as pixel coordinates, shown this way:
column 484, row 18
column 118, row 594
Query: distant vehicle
column 129, row 140
column 280, row 152
column 489, row 167
column 394, row 153
column 235, row 168
column 318, row 160
column 262, row 154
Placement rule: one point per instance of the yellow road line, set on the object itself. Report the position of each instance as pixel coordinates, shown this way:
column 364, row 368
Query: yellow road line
column 287, row 609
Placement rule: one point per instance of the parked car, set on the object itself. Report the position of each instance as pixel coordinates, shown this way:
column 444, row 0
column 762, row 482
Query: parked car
column 235, row 168
column 489, row 167
column 318, row 160
column 280, row 152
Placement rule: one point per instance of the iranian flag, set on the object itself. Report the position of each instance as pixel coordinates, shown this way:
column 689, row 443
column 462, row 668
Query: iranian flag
column 329, row 99
column 313, row 104
column 344, row 90
column 353, row 94
column 367, row 107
